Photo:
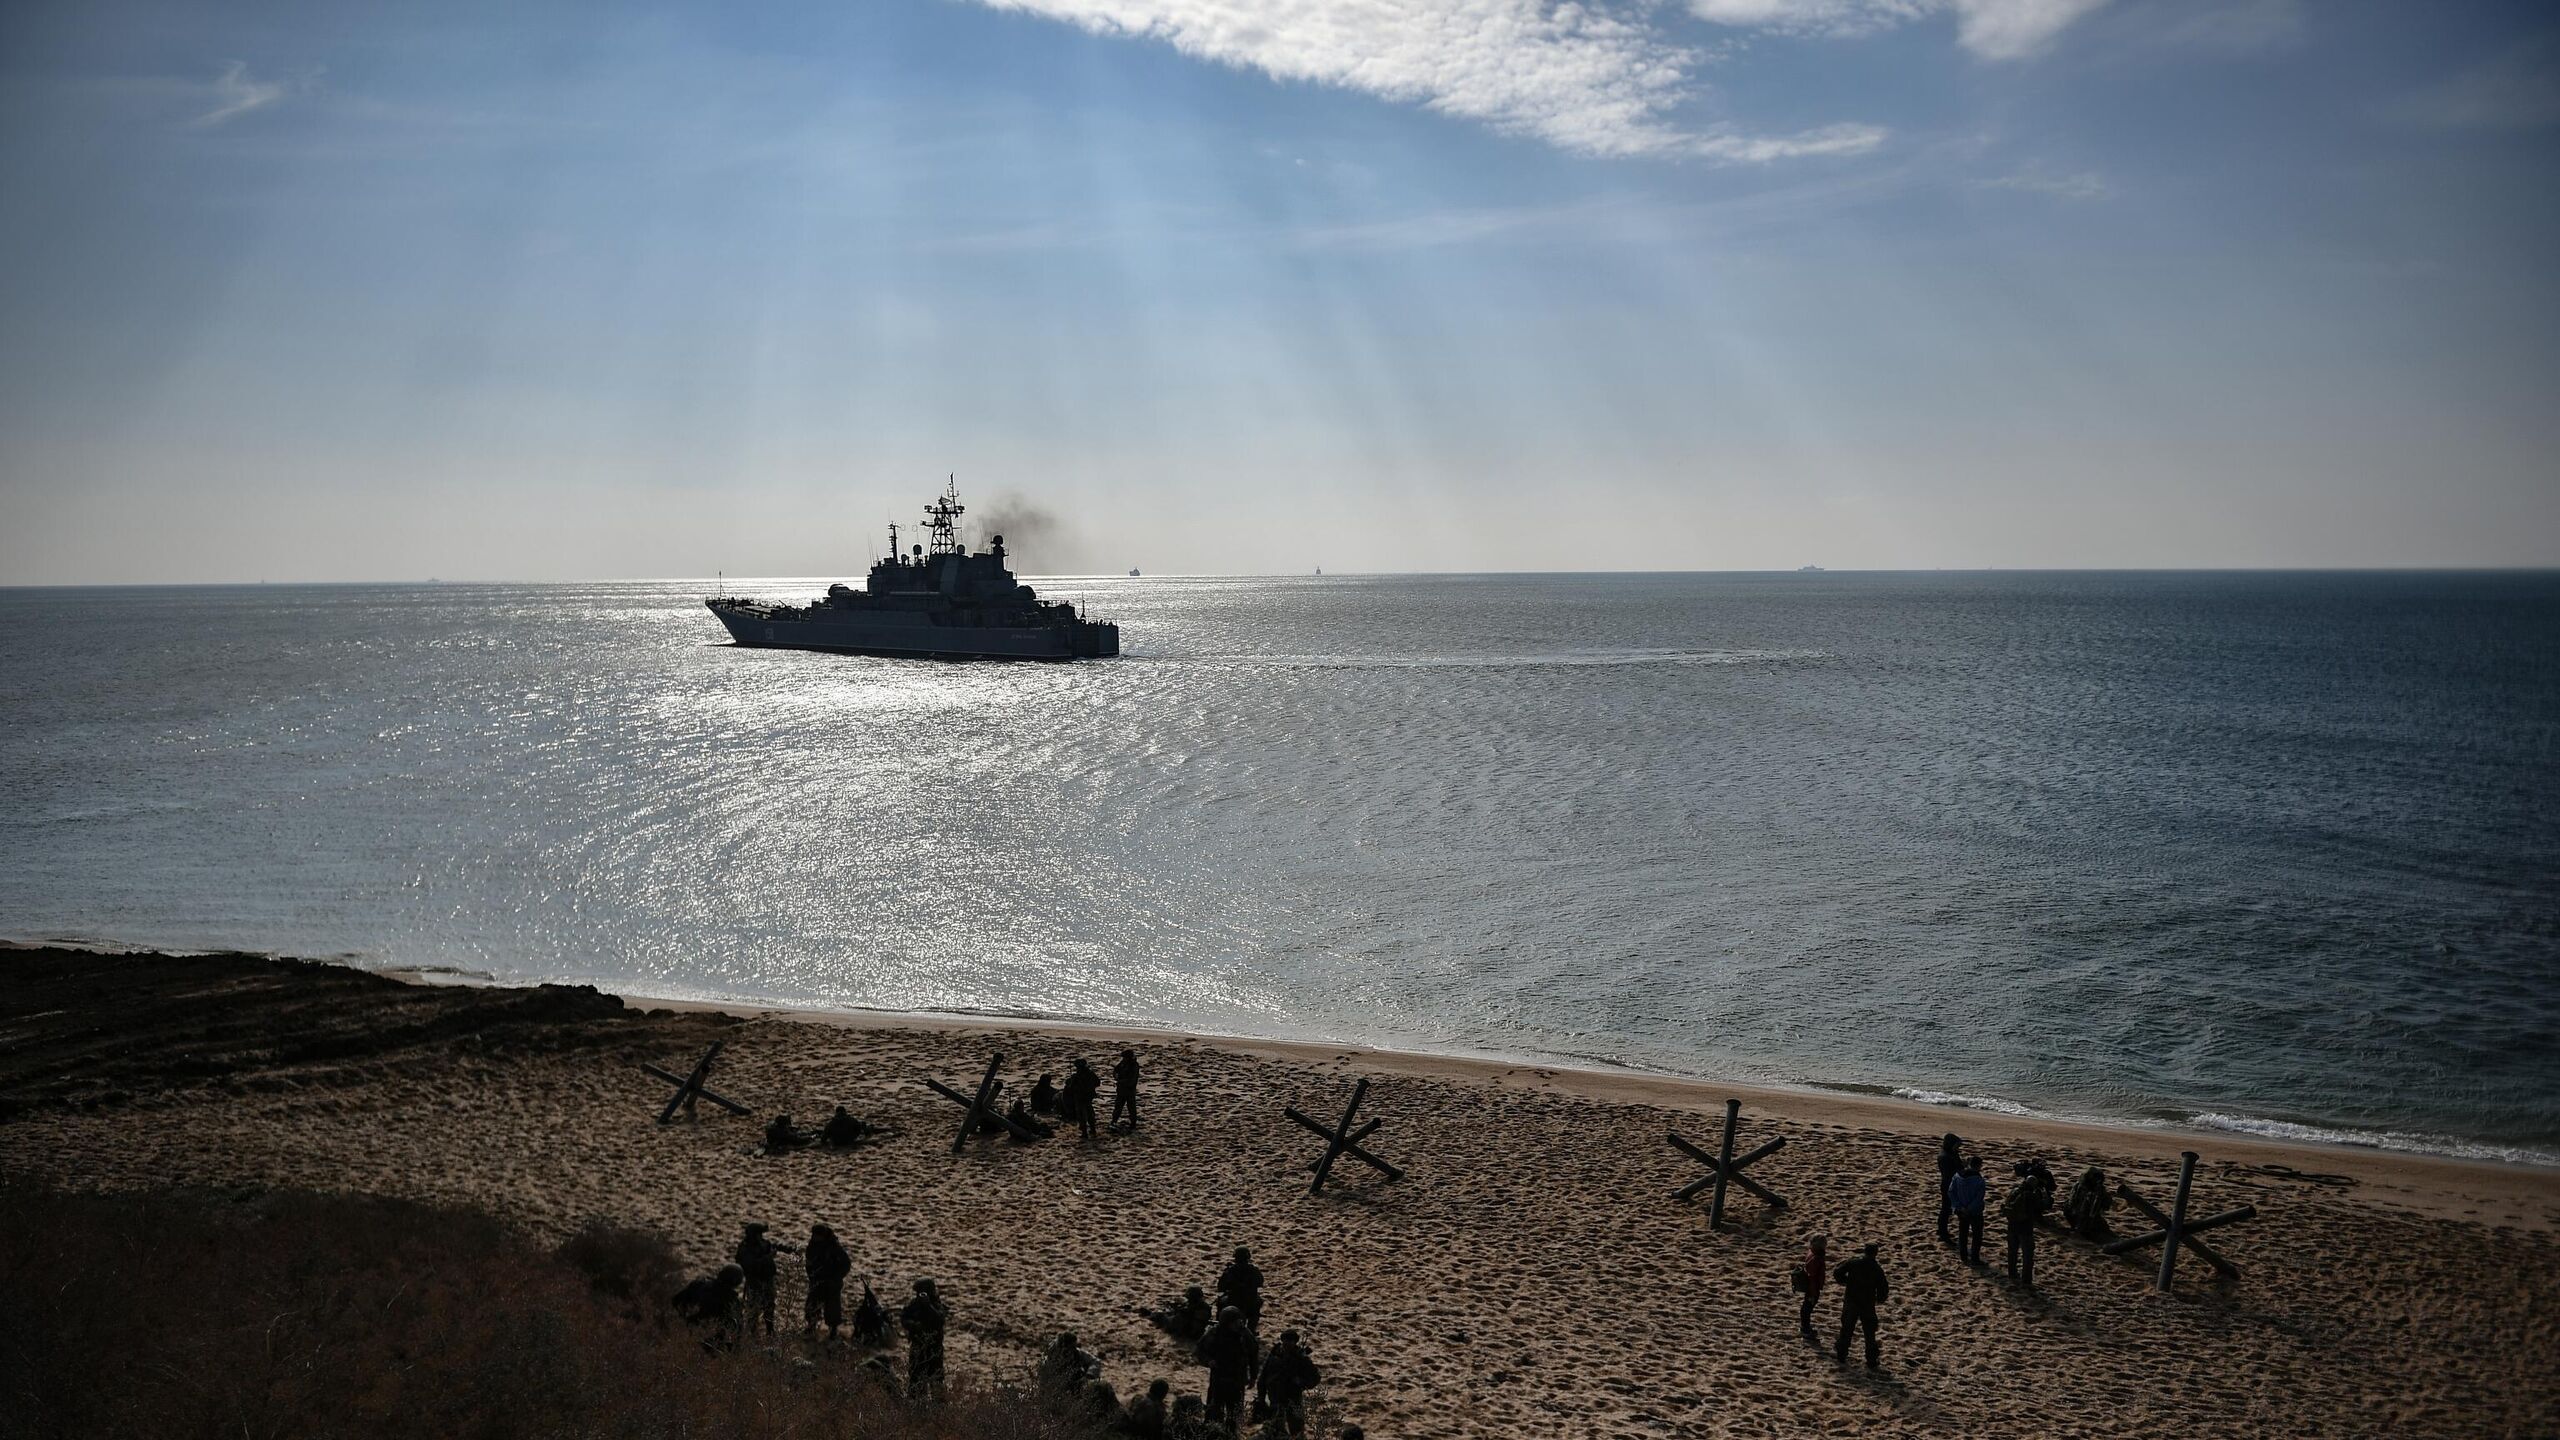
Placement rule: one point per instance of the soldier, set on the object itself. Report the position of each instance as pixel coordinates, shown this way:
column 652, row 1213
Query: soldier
column 755, row 1256
column 1811, row 1274
column 1187, row 1318
column 1124, row 1090
column 2027, row 1203
column 1030, row 1124
column 1287, row 1374
column 1065, row 1366
column 1044, row 1097
column 1229, row 1350
column 827, row 1264
column 1145, row 1419
column 1082, row 1086
column 713, row 1302
column 924, row 1320
column 2086, row 1208
column 1240, row 1285
column 843, row 1131
column 1862, row 1288
column 782, row 1135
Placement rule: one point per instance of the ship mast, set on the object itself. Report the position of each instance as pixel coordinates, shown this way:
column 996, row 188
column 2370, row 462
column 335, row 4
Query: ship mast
column 942, row 520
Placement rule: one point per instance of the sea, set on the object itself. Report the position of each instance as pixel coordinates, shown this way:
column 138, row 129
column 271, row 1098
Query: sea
column 2274, row 853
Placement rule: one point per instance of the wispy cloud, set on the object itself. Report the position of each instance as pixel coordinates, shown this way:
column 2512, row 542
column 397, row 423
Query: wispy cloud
column 2237, row 27
column 2082, row 185
column 1992, row 29
column 2517, row 90
column 236, row 93
column 1576, row 76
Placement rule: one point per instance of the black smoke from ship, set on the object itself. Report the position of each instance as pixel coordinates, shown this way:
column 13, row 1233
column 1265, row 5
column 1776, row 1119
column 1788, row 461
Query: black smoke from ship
column 1036, row 541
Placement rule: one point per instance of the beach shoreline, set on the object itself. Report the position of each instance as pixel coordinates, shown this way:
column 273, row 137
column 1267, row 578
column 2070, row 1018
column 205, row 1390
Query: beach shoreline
column 1530, row 1275
column 2425, row 1182
column 1882, row 1103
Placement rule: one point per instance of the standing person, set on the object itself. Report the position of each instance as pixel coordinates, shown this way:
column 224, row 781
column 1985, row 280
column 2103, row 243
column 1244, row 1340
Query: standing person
column 1288, row 1373
column 1862, row 1288
column 755, row 1256
column 1240, row 1285
column 924, row 1319
column 827, row 1264
column 1965, row 1195
column 1812, row 1272
column 1124, row 1090
column 1229, row 1352
column 1082, row 1086
column 1950, row 1163
column 2027, row 1204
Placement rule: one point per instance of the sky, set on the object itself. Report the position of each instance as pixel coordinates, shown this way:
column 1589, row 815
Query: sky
column 533, row 291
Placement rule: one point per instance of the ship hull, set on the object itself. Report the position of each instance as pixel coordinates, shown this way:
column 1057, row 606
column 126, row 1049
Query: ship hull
column 917, row 635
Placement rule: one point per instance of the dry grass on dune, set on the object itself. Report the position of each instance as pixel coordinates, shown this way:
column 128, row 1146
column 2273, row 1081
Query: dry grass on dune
column 179, row 1314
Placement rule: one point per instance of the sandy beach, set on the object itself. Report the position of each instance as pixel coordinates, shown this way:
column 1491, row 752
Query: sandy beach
column 1530, row 1276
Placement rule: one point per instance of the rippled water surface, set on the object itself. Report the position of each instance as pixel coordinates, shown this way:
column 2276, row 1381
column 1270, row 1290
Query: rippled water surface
column 2257, row 850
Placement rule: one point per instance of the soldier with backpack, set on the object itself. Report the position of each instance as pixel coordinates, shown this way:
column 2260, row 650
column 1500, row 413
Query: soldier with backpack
column 1862, row 1288
column 2030, row 1200
column 2086, row 1208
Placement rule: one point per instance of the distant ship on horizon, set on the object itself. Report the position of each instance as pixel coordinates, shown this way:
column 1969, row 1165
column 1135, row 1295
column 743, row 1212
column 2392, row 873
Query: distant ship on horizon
column 938, row 600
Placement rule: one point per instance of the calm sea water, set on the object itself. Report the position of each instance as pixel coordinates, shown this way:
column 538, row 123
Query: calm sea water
column 2273, row 852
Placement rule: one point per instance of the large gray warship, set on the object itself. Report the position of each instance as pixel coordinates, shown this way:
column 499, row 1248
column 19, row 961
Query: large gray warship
column 938, row 600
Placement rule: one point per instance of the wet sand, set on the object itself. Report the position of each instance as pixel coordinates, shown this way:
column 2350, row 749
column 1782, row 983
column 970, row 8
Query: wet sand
column 1530, row 1276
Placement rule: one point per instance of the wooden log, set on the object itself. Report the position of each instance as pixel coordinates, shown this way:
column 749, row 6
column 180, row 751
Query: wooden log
column 2176, row 1230
column 1690, row 1190
column 1724, row 1164
column 977, row 1107
column 2177, row 1219
column 1354, row 1150
column 1341, row 1136
column 690, row 1085
column 704, row 1091
column 1020, row 1131
column 2153, row 1212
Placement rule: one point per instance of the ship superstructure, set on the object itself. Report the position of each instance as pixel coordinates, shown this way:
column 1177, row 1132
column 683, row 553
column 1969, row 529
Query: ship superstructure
column 938, row 599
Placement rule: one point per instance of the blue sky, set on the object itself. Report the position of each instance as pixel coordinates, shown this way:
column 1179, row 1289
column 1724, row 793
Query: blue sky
column 541, row 291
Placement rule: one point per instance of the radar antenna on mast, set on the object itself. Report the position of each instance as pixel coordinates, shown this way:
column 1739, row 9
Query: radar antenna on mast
column 942, row 519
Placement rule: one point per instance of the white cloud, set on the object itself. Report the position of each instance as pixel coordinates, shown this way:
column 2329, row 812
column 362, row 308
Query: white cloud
column 1813, row 17
column 2015, row 29
column 1992, row 29
column 236, row 94
column 1572, row 74
column 2081, row 185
